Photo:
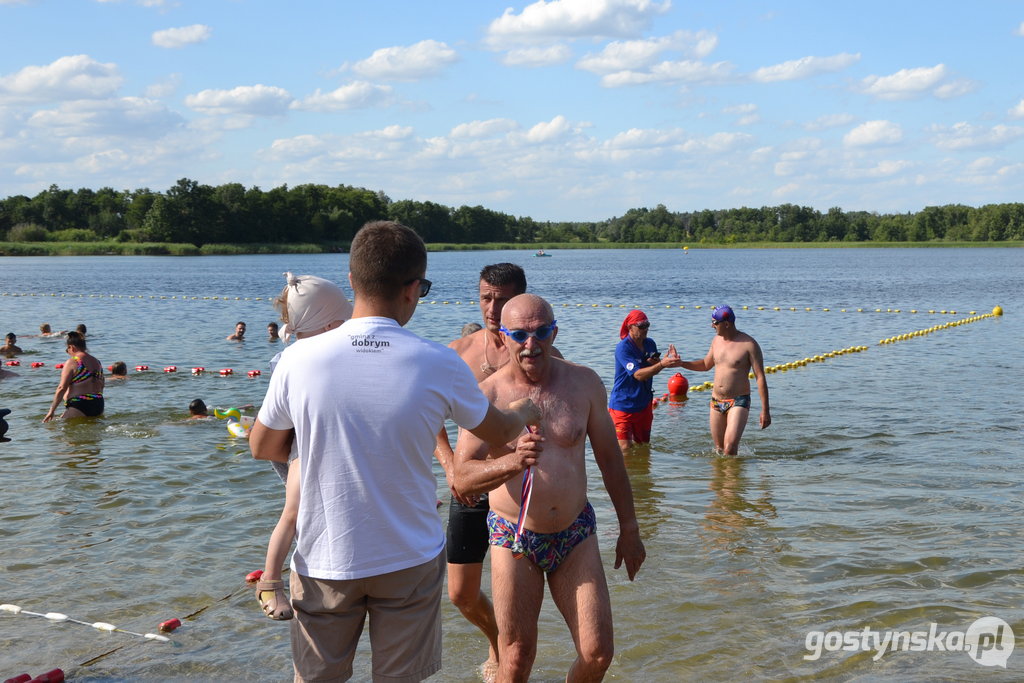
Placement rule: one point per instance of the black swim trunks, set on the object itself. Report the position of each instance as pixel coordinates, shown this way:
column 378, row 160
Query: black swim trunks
column 467, row 532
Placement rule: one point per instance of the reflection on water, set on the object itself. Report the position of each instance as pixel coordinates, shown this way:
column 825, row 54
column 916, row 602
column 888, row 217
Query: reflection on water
column 740, row 514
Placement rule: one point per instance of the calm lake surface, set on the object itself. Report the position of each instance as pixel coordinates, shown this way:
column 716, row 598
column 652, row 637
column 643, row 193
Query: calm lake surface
column 887, row 495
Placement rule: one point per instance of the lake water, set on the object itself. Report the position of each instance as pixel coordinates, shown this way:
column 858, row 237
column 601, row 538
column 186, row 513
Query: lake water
column 886, row 495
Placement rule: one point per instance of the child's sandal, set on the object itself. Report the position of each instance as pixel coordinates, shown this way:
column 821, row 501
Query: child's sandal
column 273, row 600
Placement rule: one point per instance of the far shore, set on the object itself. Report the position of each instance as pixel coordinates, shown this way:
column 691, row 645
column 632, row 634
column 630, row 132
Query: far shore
column 177, row 249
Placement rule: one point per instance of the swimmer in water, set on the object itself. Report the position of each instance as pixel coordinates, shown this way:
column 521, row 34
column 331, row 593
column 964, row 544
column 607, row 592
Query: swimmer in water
column 10, row 347
column 119, row 370
column 197, row 410
column 239, row 333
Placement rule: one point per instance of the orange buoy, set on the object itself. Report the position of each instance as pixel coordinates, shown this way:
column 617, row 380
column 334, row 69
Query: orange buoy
column 13, row 363
column 58, row 366
column 38, row 364
column 677, row 385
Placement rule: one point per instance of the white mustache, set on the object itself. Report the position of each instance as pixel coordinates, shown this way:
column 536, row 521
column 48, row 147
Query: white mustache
column 527, row 353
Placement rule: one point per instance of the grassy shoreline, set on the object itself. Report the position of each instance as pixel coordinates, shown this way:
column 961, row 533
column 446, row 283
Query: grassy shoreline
column 176, row 249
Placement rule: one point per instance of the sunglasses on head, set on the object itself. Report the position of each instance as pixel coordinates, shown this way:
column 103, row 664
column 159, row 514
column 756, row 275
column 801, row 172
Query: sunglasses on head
column 424, row 285
column 520, row 336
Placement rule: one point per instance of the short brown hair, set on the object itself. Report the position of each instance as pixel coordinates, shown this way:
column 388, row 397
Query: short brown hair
column 385, row 257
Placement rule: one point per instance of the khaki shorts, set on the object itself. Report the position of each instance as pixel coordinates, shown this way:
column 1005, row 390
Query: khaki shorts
column 405, row 624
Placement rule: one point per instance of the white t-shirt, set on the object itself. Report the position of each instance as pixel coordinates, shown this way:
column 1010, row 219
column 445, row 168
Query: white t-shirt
column 366, row 401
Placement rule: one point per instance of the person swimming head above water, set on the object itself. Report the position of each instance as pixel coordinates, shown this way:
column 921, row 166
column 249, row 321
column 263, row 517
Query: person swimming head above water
column 10, row 346
column 309, row 305
column 119, row 369
column 197, row 409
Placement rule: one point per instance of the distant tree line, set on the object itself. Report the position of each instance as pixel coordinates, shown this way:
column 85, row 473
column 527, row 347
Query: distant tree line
column 193, row 213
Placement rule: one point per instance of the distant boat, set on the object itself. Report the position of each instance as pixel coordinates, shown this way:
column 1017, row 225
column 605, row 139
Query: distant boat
column 541, row 252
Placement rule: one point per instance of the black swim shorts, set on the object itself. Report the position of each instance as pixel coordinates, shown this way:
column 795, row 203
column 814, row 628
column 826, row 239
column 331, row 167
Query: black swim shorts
column 467, row 532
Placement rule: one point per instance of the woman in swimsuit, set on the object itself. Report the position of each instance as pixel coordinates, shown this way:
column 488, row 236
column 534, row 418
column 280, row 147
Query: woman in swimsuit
column 81, row 383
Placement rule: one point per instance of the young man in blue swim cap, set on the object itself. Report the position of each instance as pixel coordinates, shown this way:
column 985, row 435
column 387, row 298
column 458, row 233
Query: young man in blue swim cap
column 734, row 355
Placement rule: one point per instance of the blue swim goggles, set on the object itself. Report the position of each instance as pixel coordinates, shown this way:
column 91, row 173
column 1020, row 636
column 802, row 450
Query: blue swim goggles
column 541, row 333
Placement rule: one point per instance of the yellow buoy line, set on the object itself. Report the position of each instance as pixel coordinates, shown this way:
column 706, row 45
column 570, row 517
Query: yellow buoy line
column 783, row 367
column 943, row 326
column 820, row 358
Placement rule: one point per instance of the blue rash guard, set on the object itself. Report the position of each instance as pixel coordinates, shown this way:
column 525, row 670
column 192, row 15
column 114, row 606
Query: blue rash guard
column 629, row 394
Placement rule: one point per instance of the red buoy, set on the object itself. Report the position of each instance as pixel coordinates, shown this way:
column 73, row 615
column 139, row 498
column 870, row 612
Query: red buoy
column 171, row 368
column 52, row 676
column 677, row 385
column 198, row 371
column 226, row 371
column 254, row 576
column 140, row 368
column 38, row 364
column 23, row 678
column 170, row 625
column 255, row 373
column 13, row 363
column 58, row 366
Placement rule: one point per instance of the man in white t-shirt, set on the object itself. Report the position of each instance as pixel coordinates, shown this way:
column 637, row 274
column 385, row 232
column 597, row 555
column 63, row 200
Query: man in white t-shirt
column 364, row 403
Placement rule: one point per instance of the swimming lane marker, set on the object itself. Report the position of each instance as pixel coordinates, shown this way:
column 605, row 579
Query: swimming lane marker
column 99, row 625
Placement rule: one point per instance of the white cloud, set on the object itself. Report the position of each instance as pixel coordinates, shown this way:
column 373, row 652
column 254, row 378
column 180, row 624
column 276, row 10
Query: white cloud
column 182, row 36
column 638, row 54
column 874, row 133
column 67, row 78
column 1017, row 112
column 549, row 131
column 905, row 83
column 747, row 113
column 963, row 135
column 682, row 72
column 573, row 19
column 164, row 87
column 957, row 88
column 829, row 121
column 537, row 56
column 355, row 95
column 483, row 129
column 251, row 100
column 424, row 59
column 805, row 67
column 124, row 117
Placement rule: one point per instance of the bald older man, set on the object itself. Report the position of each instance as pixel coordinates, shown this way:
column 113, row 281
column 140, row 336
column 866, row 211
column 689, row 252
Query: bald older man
column 557, row 542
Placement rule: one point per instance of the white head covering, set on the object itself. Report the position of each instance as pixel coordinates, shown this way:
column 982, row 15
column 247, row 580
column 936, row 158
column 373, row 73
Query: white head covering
column 312, row 303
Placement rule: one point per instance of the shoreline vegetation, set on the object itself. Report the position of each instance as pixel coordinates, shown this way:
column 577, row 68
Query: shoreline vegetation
column 112, row 248
column 193, row 219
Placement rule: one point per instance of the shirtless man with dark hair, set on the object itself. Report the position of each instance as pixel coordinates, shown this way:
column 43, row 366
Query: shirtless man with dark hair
column 484, row 352
column 734, row 355
column 557, row 543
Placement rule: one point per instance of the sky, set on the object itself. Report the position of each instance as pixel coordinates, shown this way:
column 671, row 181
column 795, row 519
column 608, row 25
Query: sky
column 571, row 110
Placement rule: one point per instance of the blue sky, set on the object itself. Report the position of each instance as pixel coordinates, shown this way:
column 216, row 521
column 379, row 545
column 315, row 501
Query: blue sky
column 559, row 109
